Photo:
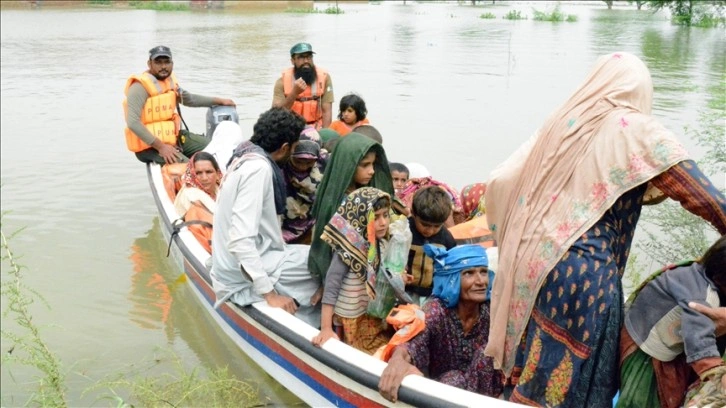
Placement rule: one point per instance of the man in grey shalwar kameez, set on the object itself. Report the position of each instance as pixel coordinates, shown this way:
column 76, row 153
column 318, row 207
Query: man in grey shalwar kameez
column 250, row 260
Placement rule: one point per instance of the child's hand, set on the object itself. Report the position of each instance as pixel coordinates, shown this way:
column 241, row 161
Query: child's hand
column 408, row 278
column 315, row 298
column 324, row 335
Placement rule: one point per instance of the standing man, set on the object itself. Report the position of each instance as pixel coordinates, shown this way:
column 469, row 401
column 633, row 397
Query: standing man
column 250, row 260
column 305, row 89
column 152, row 119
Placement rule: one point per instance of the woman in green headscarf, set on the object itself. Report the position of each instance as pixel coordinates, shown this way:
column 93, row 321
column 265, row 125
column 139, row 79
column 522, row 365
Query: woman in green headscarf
column 358, row 161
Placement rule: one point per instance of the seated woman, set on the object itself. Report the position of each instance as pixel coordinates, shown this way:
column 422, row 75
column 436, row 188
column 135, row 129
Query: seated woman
column 451, row 347
column 302, row 176
column 200, row 184
column 666, row 345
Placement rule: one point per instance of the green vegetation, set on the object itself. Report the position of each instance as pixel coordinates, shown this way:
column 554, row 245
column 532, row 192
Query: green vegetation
column 189, row 388
column 514, row 15
column 313, row 10
column 334, row 10
column 556, row 15
column 159, row 5
column 182, row 388
column 487, row 16
column 28, row 347
column 99, row 2
column 693, row 13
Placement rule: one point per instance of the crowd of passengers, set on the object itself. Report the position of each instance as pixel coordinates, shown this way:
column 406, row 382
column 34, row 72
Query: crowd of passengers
column 309, row 213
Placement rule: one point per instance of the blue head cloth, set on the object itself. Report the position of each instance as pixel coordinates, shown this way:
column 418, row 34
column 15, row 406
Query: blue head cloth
column 448, row 266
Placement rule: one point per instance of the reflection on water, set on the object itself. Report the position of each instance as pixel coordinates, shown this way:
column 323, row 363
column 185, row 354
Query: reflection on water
column 162, row 300
column 445, row 88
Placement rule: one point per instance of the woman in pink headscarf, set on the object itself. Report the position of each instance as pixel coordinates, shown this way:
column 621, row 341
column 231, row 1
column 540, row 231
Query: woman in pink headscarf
column 200, row 184
column 563, row 209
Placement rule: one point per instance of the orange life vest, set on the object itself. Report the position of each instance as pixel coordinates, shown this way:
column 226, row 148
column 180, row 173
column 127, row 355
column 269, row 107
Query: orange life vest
column 159, row 113
column 343, row 128
column 308, row 104
column 474, row 231
column 202, row 231
column 408, row 320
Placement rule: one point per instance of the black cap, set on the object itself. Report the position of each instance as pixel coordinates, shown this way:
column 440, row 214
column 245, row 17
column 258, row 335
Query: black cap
column 159, row 51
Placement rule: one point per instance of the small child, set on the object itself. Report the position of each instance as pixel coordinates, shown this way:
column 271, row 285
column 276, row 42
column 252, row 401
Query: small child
column 352, row 113
column 399, row 172
column 665, row 344
column 430, row 208
column 356, row 234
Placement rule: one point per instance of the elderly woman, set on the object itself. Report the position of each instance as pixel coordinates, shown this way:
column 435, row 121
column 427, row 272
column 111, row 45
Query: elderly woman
column 451, row 347
column 563, row 210
column 200, row 184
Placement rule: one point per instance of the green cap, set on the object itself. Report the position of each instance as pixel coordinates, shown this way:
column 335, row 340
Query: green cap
column 301, row 48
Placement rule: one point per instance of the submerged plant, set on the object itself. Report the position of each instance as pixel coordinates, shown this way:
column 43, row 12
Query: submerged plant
column 514, row 15
column 334, row 10
column 555, row 16
column 195, row 388
column 28, row 347
column 159, row 5
column 488, row 15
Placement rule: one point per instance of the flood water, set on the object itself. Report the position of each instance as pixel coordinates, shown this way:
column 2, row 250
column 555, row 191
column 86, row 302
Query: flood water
column 445, row 88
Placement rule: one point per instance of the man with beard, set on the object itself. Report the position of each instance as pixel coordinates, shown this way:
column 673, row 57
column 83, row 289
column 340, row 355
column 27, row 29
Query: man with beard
column 250, row 260
column 152, row 120
column 305, row 89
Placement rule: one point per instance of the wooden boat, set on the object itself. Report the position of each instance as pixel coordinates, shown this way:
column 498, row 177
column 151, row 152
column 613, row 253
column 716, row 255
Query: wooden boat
column 335, row 375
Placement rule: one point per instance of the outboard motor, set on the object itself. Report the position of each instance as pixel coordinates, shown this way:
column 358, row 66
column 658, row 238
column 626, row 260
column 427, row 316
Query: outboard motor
column 217, row 114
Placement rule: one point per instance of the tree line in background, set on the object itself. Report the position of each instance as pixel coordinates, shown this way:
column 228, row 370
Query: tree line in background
column 684, row 12
column 706, row 13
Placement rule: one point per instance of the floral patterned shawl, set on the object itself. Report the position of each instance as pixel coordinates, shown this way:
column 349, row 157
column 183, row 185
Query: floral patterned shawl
column 600, row 144
column 351, row 234
column 301, row 189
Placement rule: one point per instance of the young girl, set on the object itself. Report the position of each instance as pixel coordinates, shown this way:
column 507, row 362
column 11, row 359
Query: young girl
column 358, row 161
column 352, row 113
column 356, row 233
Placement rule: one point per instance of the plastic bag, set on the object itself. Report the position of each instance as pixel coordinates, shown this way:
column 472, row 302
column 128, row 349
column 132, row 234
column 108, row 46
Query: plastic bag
column 389, row 281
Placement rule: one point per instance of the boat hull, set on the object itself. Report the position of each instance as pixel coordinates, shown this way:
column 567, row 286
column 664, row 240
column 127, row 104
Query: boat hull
column 334, row 375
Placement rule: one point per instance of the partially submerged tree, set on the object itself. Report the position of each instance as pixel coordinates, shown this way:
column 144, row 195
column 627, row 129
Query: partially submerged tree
column 684, row 10
column 638, row 3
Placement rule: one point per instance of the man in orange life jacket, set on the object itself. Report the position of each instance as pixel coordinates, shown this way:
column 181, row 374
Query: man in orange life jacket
column 305, row 89
column 152, row 120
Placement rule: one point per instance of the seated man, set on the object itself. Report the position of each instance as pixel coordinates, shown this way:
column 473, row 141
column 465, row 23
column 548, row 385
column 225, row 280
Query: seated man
column 250, row 260
column 152, row 119
column 451, row 346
